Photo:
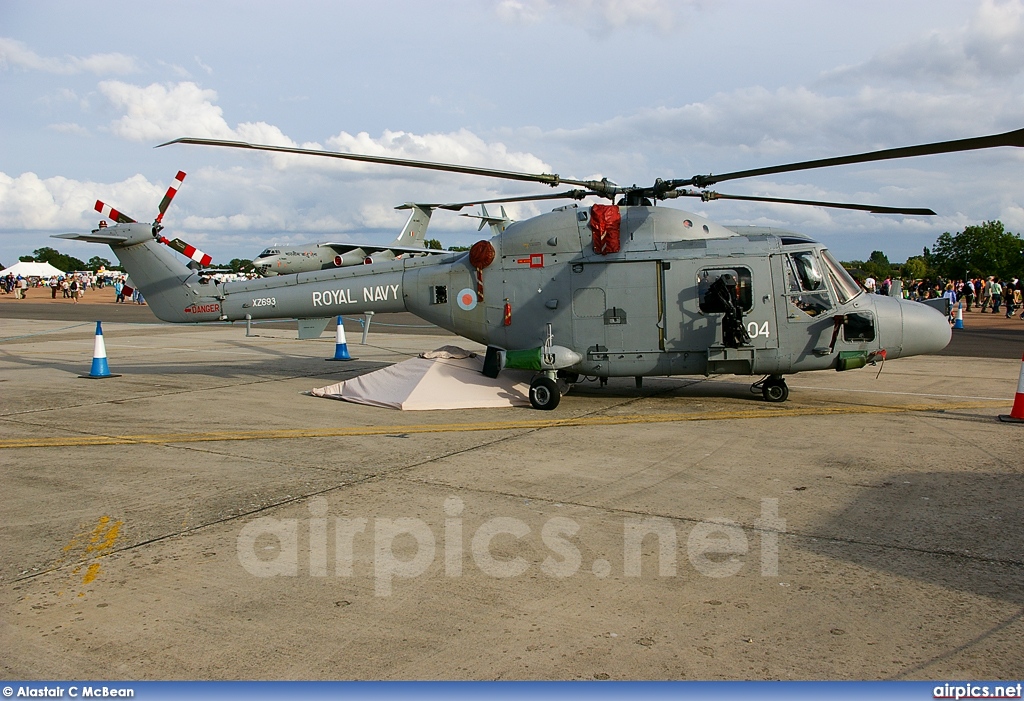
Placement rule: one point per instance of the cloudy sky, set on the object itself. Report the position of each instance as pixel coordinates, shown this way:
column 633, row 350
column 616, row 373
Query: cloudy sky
column 631, row 90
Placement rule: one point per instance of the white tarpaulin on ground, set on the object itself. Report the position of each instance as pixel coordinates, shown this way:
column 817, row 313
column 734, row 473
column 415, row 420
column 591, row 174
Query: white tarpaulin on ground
column 43, row 270
column 434, row 383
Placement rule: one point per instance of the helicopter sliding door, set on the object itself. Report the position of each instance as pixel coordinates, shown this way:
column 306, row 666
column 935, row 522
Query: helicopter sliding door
column 616, row 307
column 695, row 320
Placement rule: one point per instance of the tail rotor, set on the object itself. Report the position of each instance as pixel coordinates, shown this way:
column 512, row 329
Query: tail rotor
column 182, row 247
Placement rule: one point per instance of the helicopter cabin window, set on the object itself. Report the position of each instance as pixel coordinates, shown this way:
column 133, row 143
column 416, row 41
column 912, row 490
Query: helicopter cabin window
column 740, row 278
column 806, row 289
column 858, row 327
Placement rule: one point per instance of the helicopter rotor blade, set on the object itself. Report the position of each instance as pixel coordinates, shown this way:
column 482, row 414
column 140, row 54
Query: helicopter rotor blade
column 188, row 250
column 552, row 179
column 111, row 213
column 708, row 195
column 1010, row 138
column 568, row 194
column 662, row 189
column 171, row 192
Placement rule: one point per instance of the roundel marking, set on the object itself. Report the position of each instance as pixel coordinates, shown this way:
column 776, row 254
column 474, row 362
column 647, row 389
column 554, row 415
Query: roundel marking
column 467, row 299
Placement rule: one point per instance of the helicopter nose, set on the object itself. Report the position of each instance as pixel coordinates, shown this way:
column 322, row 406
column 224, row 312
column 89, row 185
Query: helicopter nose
column 925, row 329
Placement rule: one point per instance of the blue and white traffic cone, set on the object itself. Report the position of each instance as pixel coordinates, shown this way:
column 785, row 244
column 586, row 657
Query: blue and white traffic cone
column 959, row 316
column 99, row 369
column 340, row 345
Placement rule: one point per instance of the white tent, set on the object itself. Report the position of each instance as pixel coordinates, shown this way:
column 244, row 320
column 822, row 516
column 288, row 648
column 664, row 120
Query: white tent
column 42, row 270
column 439, row 383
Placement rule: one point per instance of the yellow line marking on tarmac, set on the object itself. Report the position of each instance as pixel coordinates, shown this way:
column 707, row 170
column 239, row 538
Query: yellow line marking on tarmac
column 523, row 424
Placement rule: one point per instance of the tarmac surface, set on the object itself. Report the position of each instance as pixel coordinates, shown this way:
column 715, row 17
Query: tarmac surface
column 199, row 517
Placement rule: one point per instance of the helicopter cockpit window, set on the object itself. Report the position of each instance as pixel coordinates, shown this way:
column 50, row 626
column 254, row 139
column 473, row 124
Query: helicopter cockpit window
column 707, row 277
column 846, row 288
column 805, row 284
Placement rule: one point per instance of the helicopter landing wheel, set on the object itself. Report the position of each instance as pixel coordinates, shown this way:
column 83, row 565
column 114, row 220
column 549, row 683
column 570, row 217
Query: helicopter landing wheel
column 544, row 393
column 775, row 389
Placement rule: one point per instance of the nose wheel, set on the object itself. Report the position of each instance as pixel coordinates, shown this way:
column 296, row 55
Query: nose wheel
column 544, row 393
column 773, row 388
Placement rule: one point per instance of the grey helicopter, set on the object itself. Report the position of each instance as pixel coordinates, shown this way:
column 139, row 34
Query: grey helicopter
column 626, row 289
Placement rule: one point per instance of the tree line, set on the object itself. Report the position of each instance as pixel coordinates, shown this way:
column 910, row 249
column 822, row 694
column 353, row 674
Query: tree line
column 977, row 251
column 69, row 263
column 62, row 261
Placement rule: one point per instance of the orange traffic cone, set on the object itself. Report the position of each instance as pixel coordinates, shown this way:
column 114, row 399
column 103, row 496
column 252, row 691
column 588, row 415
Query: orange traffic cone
column 1017, row 412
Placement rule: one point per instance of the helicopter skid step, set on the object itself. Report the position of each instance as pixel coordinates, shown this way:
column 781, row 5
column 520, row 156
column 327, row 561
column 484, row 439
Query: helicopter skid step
column 735, row 361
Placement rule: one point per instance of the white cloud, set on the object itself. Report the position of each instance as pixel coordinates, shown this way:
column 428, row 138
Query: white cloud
column 177, row 70
column 758, row 127
column 462, row 147
column 522, row 11
column 994, row 41
column 165, row 111
column 596, row 16
column 69, row 128
column 15, row 54
column 29, row 202
column 989, row 48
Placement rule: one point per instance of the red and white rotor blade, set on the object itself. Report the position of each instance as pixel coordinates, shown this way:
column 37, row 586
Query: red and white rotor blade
column 171, row 192
column 189, row 251
column 110, row 213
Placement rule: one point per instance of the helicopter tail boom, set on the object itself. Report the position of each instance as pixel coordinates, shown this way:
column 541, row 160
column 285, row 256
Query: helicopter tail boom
column 155, row 271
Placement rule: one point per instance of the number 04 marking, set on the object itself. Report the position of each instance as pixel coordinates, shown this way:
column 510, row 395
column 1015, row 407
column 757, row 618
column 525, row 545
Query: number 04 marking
column 753, row 330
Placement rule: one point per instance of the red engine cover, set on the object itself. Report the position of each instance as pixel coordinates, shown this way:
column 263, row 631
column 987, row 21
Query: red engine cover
column 605, row 221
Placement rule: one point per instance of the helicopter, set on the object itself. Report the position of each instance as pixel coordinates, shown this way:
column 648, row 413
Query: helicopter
column 626, row 289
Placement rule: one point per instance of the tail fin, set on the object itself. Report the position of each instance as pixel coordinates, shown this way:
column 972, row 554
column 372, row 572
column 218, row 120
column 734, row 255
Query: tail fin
column 415, row 232
column 497, row 224
column 155, row 271
column 161, row 278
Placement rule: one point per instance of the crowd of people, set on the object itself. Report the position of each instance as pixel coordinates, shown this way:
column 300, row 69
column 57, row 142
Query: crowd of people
column 1000, row 296
column 982, row 294
column 71, row 286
